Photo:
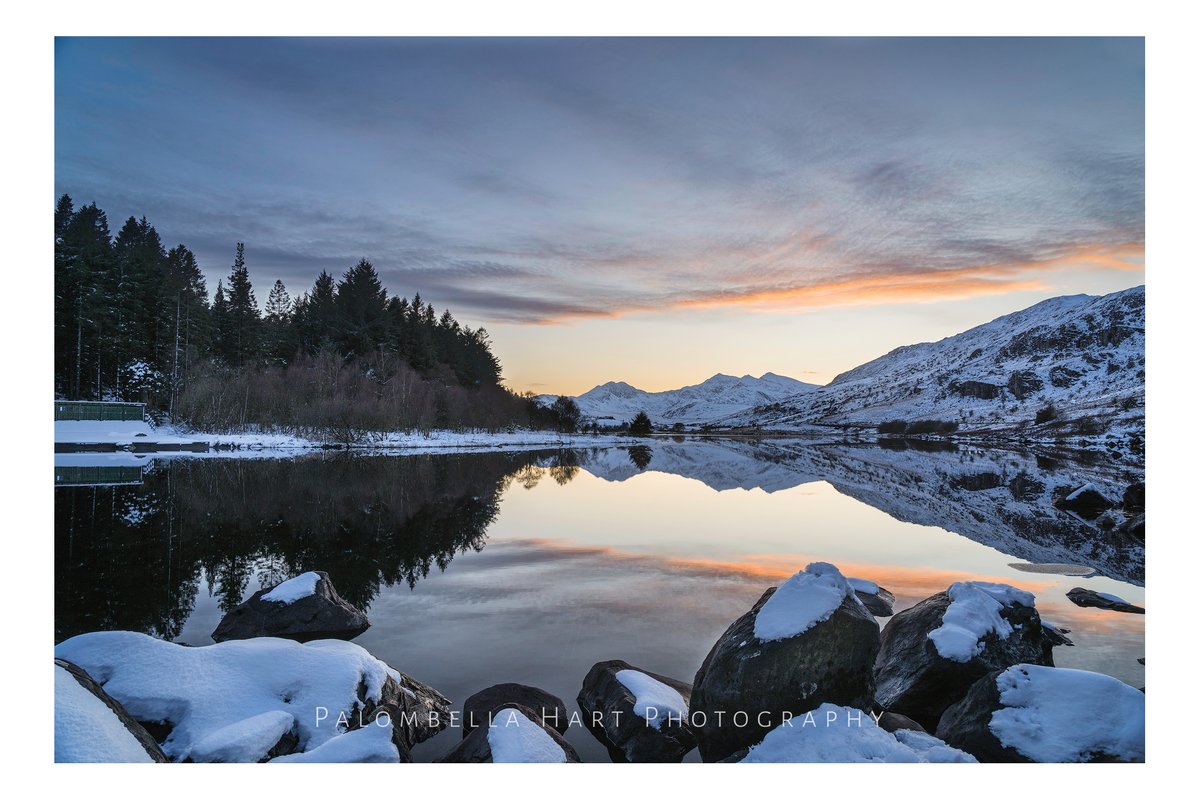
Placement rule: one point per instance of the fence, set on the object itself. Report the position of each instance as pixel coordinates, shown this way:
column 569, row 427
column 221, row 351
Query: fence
column 105, row 412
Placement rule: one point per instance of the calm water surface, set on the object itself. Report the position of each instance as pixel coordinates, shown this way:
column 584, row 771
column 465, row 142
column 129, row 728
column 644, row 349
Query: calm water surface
column 483, row 568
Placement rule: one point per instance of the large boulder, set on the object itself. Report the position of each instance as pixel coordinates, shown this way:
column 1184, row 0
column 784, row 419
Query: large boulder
column 90, row 726
column 416, row 711
column 1036, row 713
column 932, row 653
column 1088, row 501
column 515, row 735
column 304, row 608
column 1086, row 598
column 478, row 707
column 809, row 641
column 639, row 716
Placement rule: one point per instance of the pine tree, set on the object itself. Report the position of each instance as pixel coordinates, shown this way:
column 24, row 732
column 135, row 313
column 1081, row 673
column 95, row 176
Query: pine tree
column 361, row 311
column 277, row 323
column 641, row 425
column 241, row 341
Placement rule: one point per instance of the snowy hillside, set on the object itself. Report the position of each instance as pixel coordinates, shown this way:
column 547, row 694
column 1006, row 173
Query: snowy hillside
column 1083, row 355
column 720, row 396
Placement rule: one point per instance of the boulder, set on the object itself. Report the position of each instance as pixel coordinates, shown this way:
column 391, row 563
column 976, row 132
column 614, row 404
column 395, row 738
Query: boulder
column 1087, row 501
column 875, row 598
column 479, row 706
column 1086, row 598
column 1134, row 499
column 638, row 716
column 304, row 608
column 417, row 711
column 892, row 722
column 91, row 726
column 807, row 642
column 927, row 662
column 1036, row 713
column 515, row 735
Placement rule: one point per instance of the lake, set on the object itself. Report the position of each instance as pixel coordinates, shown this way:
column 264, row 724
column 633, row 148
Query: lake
column 481, row 568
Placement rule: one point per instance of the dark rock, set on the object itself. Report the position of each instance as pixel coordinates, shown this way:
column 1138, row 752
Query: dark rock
column 417, row 711
column 321, row 615
column 1056, row 636
column 1024, row 383
column 830, row 662
column 913, row 679
column 478, row 707
column 977, row 482
column 965, row 724
column 1086, row 598
column 1063, row 377
column 1132, row 529
column 879, row 603
column 984, row 391
column 608, row 710
column 136, row 730
column 1134, row 499
column 476, row 748
column 1087, row 501
column 1025, row 488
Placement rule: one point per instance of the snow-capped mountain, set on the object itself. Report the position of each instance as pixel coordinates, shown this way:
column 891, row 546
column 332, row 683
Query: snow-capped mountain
column 1081, row 354
column 720, row 396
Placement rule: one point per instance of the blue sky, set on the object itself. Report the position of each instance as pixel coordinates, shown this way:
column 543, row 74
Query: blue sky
column 653, row 210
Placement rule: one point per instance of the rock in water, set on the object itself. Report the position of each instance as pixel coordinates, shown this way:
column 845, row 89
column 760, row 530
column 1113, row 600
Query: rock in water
column 1035, row 713
column 417, row 711
column 807, row 642
column 638, row 716
column 304, row 608
column 478, row 707
column 91, row 727
column 515, row 736
column 932, row 653
column 878, row 601
column 1088, row 501
column 1086, row 598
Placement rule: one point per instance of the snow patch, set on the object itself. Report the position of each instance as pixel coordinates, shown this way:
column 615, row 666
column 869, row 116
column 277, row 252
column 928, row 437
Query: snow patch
column 655, row 701
column 86, row 730
column 203, row 690
column 974, row 612
column 516, row 739
column 801, row 602
column 863, row 585
column 299, row 587
column 837, row 734
column 370, row 744
column 1058, row 715
column 245, row 741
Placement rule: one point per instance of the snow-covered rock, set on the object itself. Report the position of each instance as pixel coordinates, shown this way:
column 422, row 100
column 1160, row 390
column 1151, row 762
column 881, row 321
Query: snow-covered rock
column 820, row 647
column 932, row 653
column 370, row 744
column 638, row 716
column 515, row 735
column 91, row 727
column 1036, row 713
column 613, row 403
column 838, row 734
column 878, row 601
column 231, row 701
column 1087, row 598
column 478, row 708
column 304, row 608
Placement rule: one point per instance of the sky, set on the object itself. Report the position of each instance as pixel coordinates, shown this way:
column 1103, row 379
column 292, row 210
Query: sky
column 647, row 210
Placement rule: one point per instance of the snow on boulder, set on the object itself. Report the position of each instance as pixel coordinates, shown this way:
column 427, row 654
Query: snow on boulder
column 879, row 601
column 91, row 727
column 974, row 612
column 478, row 708
column 370, row 744
column 1088, row 501
column 638, row 716
column 304, row 608
column 1036, row 713
column 515, row 735
column 817, row 644
column 932, row 653
column 1086, row 598
column 225, row 701
column 838, row 734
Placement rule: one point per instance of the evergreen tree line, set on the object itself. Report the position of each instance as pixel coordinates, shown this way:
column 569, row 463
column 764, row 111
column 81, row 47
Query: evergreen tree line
column 133, row 321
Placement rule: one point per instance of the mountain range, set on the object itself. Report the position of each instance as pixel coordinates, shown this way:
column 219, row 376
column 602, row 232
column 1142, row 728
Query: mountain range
column 1067, row 366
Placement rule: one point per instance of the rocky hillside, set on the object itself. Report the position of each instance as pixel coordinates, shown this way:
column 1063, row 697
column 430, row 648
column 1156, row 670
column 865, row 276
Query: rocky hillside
column 720, row 396
column 1068, row 366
